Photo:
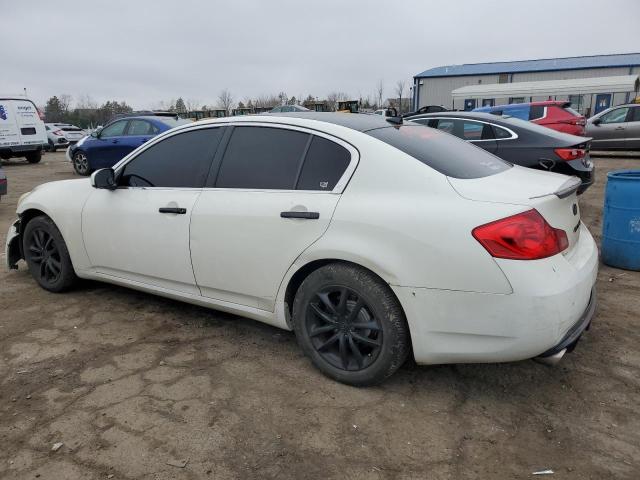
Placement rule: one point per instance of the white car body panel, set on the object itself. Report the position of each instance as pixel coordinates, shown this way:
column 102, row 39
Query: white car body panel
column 406, row 222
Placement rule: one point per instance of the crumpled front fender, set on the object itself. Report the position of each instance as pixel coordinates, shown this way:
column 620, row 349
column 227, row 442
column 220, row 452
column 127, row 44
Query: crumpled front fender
column 12, row 249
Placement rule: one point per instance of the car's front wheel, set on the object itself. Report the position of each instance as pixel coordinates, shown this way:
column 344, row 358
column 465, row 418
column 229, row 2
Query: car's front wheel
column 350, row 324
column 81, row 164
column 47, row 256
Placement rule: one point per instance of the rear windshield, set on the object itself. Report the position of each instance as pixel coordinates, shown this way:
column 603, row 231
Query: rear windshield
column 572, row 111
column 173, row 121
column 442, row 152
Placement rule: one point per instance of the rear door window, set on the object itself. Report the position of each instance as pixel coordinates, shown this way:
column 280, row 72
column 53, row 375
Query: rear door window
column 501, row 133
column 635, row 115
column 262, row 158
column 140, row 127
column 443, row 153
column 324, row 164
column 178, row 161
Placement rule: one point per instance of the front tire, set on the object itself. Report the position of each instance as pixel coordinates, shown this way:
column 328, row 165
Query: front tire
column 47, row 255
column 34, row 157
column 81, row 164
column 350, row 324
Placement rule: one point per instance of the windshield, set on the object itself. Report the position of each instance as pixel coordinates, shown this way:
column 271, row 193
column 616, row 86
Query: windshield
column 442, row 152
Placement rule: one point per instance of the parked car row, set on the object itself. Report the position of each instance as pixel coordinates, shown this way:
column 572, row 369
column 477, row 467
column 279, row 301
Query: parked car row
column 336, row 226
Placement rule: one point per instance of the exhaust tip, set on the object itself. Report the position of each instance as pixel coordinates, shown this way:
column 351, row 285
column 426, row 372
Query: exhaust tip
column 552, row 360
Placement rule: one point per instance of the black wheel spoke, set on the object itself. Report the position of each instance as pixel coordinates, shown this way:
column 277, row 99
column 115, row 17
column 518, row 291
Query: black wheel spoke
column 55, row 266
column 342, row 304
column 356, row 352
column 353, row 314
column 365, row 326
column 49, row 245
column 333, row 339
column 36, row 239
column 324, row 297
column 43, row 270
column 326, row 317
column 344, row 352
column 324, row 329
column 365, row 340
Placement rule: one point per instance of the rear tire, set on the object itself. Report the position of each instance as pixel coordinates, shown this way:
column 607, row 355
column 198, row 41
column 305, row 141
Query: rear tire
column 81, row 164
column 47, row 255
column 350, row 324
column 34, row 157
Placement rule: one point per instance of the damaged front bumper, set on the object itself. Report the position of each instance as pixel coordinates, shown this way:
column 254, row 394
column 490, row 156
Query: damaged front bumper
column 13, row 247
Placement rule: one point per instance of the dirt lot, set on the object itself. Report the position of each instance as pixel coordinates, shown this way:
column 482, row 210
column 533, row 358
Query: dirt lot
column 129, row 382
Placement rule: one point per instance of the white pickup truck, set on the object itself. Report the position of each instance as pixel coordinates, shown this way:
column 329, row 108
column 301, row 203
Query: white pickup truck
column 22, row 131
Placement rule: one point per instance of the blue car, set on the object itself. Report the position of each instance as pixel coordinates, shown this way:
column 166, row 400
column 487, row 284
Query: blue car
column 107, row 146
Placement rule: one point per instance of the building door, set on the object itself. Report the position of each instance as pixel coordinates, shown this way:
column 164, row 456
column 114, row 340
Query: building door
column 603, row 101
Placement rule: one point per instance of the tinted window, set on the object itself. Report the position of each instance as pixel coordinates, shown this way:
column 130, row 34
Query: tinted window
column 181, row 160
column 116, row 129
column 140, row 127
column 471, row 130
column 536, row 111
column 443, row 153
column 324, row 164
column 263, row 158
column 501, row 132
column 446, row 126
column 636, row 114
column 615, row 116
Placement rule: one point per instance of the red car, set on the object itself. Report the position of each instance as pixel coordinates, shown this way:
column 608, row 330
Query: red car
column 554, row 114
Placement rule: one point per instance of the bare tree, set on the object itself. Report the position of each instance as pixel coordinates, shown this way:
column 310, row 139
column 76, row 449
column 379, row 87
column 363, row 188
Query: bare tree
column 400, row 84
column 191, row 104
column 225, row 100
column 65, row 102
column 379, row 93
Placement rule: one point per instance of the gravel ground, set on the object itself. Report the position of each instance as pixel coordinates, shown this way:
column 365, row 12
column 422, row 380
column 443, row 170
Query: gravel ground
column 135, row 385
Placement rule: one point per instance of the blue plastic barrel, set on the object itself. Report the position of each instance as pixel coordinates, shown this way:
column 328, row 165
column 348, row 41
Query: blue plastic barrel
column 621, row 220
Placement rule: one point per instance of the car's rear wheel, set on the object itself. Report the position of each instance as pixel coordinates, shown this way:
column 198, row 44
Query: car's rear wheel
column 47, row 256
column 350, row 324
column 34, row 157
column 81, row 164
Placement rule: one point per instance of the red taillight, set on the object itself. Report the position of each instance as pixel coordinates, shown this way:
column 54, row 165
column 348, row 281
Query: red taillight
column 58, row 132
column 525, row 236
column 570, row 153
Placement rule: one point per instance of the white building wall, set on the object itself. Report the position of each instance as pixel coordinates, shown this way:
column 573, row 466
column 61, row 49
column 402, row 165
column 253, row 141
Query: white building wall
column 437, row 91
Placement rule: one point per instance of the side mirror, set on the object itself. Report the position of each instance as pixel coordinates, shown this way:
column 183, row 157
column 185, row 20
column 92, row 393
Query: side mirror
column 596, row 121
column 104, row 178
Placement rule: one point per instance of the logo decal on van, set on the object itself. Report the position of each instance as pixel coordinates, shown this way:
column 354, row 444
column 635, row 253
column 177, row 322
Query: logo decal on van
column 3, row 112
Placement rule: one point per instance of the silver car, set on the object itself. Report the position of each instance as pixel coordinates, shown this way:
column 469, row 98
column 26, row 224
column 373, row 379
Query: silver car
column 615, row 128
column 61, row 135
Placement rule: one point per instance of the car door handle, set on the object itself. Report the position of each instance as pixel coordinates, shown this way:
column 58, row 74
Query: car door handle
column 114, row 141
column 307, row 215
column 179, row 211
column 144, row 140
column 619, row 128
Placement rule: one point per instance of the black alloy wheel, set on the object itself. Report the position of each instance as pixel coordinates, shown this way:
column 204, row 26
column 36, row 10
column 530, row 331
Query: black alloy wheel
column 343, row 329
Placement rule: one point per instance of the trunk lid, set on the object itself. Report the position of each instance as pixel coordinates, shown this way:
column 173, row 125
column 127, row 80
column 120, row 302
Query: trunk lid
column 551, row 194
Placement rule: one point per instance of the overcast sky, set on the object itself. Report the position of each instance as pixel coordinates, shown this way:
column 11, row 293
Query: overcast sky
column 149, row 51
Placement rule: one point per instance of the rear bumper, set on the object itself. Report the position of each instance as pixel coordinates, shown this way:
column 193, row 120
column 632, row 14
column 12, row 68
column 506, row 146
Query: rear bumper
column 570, row 339
column 550, row 297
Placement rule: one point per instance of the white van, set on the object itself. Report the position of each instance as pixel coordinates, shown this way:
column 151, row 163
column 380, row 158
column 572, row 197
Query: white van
column 22, row 132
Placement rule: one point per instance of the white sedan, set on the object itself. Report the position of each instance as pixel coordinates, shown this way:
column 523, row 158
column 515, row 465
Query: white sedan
column 370, row 239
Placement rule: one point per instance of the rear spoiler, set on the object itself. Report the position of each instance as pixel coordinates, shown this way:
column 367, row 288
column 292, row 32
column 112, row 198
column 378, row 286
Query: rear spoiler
column 567, row 188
